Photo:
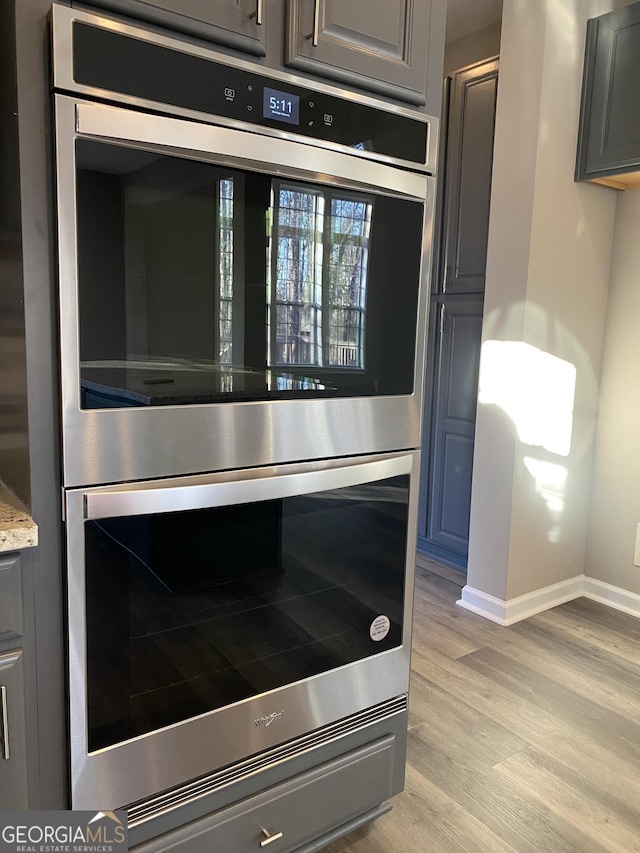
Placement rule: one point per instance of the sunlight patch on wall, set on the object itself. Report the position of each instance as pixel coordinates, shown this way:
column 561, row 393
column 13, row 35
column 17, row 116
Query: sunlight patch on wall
column 550, row 483
column 535, row 389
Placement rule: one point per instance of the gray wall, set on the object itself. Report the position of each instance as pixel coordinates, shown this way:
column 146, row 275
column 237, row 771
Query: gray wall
column 546, row 298
column 615, row 508
column 482, row 44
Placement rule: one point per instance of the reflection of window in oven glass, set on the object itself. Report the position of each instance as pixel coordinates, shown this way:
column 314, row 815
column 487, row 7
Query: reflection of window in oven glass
column 318, row 277
column 225, row 270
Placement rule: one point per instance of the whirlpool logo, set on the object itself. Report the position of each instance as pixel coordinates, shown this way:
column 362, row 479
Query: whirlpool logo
column 265, row 722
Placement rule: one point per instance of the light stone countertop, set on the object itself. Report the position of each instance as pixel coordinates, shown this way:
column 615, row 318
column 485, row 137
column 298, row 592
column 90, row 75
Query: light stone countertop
column 17, row 528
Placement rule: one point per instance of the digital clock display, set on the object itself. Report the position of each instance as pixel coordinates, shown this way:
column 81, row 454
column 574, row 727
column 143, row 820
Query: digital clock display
column 281, row 106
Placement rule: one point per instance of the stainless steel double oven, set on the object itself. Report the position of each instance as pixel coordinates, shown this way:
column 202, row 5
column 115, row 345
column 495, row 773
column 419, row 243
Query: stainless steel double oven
column 241, row 256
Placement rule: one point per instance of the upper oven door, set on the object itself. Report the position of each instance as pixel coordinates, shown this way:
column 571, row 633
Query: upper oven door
column 206, row 271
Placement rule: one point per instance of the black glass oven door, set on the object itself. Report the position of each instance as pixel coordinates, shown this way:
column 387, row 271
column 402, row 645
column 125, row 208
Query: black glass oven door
column 191, row 611
column 201, row 283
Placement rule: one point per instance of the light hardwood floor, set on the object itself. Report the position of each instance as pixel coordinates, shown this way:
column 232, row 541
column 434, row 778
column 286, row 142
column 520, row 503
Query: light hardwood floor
column 523, row 739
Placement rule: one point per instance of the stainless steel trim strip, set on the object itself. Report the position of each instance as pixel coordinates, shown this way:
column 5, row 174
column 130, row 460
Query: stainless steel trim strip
column 4, row 721
column 225, row 490
column 138, row 813
column 237, row 147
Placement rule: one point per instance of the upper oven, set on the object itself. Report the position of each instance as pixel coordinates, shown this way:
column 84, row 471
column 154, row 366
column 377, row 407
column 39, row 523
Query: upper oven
column 241, row 256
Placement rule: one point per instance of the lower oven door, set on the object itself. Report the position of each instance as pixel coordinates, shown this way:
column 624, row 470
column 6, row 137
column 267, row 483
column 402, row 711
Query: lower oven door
column 213, row 617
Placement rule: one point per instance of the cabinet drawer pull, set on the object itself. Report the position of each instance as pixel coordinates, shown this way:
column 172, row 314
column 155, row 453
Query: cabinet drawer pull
column 316, row 23
column 4, row 723
column 258, row 12
column 269, row 838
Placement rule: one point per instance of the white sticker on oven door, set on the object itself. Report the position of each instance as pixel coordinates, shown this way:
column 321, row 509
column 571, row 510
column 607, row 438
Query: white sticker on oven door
column 379, row 628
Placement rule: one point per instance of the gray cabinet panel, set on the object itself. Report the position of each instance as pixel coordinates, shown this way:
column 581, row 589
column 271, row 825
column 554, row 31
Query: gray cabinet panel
column 609, row 136
column 13, row 749
column 236, row 23
column 453, row 426
column 11, row 627
column 383, row 45
column 298, row 811
column 451, row 525
column 468, row 177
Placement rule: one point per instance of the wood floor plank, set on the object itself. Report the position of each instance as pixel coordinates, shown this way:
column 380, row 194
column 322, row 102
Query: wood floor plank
column 469, row 734
column 524, row 719
column 615, row 732
column 424, row 820
column 544, row 644
column 587, row 669
column 576, row 798
column 520, row 821
column 429, row 633
column 433, row 568
column 585, row 620
column 604, row 621
column 523, row 739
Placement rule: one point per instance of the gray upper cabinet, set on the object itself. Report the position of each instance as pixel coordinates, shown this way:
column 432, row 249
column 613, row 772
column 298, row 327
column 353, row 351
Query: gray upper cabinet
column 469, row 163
column 393, row 48
column 387, row 46
column 609, row 134
column 239, row 24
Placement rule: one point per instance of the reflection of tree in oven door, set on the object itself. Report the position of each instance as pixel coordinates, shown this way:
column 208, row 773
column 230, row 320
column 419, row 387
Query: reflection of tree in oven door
column 320, row 279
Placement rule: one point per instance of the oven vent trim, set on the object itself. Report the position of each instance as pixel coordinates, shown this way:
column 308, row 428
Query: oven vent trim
column 139, row 813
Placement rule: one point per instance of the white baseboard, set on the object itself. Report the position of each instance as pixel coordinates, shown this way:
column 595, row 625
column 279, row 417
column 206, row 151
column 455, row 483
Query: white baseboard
column 612, row 596
column 507, row 612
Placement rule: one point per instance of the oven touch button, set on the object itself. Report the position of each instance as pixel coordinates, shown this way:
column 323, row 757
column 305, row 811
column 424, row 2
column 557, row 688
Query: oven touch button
column 379, row 628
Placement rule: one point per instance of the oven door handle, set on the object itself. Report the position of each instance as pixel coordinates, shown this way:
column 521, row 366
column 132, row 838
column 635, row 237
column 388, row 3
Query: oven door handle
column 241, row 149
column 220, row 490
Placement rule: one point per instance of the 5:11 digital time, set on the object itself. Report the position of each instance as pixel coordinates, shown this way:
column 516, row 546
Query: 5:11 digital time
column 281, row 106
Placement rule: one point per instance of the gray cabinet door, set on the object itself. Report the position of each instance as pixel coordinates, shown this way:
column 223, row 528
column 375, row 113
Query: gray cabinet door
column 11, row 627
column 236, row 23
column 382, row 45
column 449, row 457
column 13, row 752
column 469, row 162
column 609, row 136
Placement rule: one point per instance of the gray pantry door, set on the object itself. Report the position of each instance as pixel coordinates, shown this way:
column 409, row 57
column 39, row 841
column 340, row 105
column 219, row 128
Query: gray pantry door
column 455, row 330
column 445, row 533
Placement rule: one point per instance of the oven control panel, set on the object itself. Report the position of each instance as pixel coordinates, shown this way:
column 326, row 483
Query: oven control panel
column 113, row 61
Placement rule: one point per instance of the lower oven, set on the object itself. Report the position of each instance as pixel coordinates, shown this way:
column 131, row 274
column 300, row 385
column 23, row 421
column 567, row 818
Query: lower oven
column 215, row 617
